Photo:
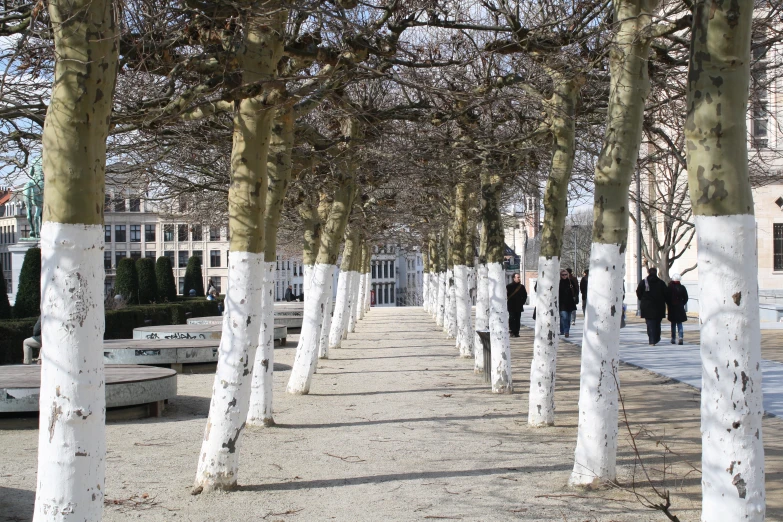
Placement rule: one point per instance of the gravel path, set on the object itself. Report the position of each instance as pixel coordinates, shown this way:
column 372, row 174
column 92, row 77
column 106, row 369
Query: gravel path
column 397, row 427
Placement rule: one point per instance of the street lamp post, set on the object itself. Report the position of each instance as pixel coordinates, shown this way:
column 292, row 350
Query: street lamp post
column 575, row 228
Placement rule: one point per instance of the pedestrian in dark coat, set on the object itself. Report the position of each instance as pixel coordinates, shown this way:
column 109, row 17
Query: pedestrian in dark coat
column 566, row 302
column 575, row 286
column 583, row 289
column 652, row 294
column 677, row 301
column 517, row 296
column 289, row 294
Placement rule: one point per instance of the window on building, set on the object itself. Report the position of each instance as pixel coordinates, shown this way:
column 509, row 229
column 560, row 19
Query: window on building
column 182, row 232
column 777, row 239
column 135, row 205
column 150, row 254
column 391, row 269
column 135, row 255
column 149, row 233
column 181, row 285
column 373, row 270
column 198, row 234
column 182, row 258
column 214, row 258
column 170, row 255
column 119, row 255
column 168, row 232
column 214, row 233
column 107, row 233
column 385, row 269
column 106, row 203
column 217, row 282
column 135, row 233
column 24, row 233
column 119, row 234
column 107, row 260
column 119, row 204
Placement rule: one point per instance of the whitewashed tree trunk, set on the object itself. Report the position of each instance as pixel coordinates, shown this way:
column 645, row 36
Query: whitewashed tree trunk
column 426, row 291
column 312, row 321
column 482, row 314
column 367, row 297
column 356, row 291
column 449, row 319
column 498, row 329
column 71, row 439
column 219, row 460
column 323, row 341
column 340, row 309
column 596, row 446
column 543, row 368
column 731, row 397
column 464, row 320
column 261, row 394
column 441, row 309
column 71, row 433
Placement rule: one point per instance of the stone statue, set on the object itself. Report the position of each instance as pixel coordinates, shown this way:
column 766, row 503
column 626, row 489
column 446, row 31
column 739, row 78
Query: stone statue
column 33, row 198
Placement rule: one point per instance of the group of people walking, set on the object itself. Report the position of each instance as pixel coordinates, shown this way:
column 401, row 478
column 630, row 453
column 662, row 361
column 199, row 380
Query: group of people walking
column 654, row 295
column 568, row 297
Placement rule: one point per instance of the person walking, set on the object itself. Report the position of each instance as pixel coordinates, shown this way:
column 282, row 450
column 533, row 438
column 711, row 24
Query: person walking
column 516, row 294
column 289, row 294
column 677, row 301
column 652, row 294
column 583, row 289
column 575, row 286
column 566, row 302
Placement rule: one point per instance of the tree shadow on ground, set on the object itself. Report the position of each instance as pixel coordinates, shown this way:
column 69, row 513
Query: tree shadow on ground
column 16, row 505
column 401, row 421
column 394, row 477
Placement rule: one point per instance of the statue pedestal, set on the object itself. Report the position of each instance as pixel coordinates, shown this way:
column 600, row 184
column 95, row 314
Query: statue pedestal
column 18, row 252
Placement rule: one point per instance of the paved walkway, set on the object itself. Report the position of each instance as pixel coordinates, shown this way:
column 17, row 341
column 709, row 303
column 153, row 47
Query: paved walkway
column 398, row 427
column 681, row 363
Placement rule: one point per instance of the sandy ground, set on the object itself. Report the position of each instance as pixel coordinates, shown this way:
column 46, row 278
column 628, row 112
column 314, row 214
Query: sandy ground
column 397, row 427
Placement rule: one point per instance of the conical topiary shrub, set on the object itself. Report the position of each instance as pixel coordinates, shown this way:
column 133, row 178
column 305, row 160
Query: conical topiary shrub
column 28, row 295
column 194, row 280
column 5, row 306
column 164, row 274
column 127, row 282
column 148, row 283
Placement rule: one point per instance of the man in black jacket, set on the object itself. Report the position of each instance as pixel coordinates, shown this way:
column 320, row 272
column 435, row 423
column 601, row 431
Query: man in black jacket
column 517, row 295
column 583, row 289
column 652, row 294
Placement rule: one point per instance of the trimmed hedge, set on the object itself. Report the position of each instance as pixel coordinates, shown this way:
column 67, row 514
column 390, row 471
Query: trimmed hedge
column 194, row 279
column 148, row 283
column 164, row 274
column 119, row 323
column 127, row 282
column 12, row 335
column 28, row 295
column 5, row 305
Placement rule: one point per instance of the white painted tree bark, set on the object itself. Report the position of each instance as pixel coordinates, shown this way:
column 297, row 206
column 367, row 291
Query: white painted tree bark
column 441, row 308
column 482, row 315
column 367, row 297
column 498, row 329
column 326, row 326
column 261, row 394
column 426, row 291
column 731, row 397
column 349, row 304
column 356, row 293
column 463, row 316
column 71, row 438
column 340, row 309
column 449, row 318
column 219, row 460
column 596, row 446
column 543, row 367
column 312, row 321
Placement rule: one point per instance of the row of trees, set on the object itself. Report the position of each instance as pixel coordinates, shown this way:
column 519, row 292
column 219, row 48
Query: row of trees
column 325, row 123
